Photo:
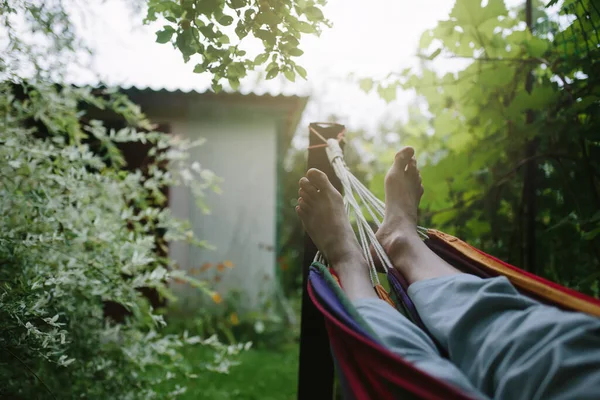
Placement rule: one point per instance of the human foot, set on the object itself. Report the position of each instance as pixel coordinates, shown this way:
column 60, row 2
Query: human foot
column 403, row 191
column 321, row 209
column 398, row 233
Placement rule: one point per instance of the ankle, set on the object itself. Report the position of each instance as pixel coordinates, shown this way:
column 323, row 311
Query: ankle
column 350, row 255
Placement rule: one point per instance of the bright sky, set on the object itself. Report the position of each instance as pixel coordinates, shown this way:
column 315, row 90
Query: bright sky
column 369, row 38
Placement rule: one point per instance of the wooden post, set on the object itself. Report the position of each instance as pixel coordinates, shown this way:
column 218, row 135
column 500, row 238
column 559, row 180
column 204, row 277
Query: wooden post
column 528, row 262
column 315, row 377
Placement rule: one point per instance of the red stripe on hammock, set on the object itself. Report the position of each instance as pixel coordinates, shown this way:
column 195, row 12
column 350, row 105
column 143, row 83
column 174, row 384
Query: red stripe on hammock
column 540, row 288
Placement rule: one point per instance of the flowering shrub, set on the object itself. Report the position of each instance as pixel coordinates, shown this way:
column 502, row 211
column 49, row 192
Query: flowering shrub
column 84, row 234
column 79, row 231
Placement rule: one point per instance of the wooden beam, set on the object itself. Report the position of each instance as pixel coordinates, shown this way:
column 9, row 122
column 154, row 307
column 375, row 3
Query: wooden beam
column 315, row 378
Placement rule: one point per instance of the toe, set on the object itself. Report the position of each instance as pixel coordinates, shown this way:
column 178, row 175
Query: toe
column 307, row 187
column 411, row 168
column 318, row 179
column 304, row 195
column 403, row 157
column 303, row 204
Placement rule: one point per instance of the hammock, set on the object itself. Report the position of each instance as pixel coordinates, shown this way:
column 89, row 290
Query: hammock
column 367, row 369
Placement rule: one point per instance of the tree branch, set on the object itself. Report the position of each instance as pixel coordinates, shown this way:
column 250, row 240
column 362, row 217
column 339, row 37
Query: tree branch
column 32, row 372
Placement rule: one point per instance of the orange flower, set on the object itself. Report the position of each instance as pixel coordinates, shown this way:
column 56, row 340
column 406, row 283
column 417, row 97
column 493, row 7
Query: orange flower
column 234, row 319
column 216, row 297
column 217, row 278
column 220, row 267
column 205, row 267
column 228, row 264
column 194, row 271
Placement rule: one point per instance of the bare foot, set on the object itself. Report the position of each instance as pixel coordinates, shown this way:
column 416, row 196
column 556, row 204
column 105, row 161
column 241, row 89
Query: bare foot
column 321, row 209
column 403, row 191
column 398, row 233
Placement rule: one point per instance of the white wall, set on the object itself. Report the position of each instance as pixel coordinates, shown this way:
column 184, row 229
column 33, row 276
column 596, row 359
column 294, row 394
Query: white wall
column 241, row 149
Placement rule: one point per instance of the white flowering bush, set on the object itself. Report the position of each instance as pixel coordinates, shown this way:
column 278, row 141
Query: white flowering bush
column 79, row 231
column 82, row 232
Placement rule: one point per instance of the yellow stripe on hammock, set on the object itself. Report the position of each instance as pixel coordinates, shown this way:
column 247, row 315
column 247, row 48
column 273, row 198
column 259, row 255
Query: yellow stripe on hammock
column 519, row 279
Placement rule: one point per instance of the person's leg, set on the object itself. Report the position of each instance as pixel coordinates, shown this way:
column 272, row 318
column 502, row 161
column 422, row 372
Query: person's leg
column 321, row 209
column 398, row 233
column 508, row 345
column 404, row 338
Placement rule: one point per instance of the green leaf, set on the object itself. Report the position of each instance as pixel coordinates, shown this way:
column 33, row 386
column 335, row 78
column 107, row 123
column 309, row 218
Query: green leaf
column 224, row 39
column 537, row 47
column 366, row 84
column 290, row 75
column 496, row 76
column 304, row 27
column 271, row 65
column 240, row 30
column 387, row 93
column 225, row 20
column 199, row 68
column 539, row 99
column 290, row 39
column 295, row 52
column 272, row 73
column 591, row 234
column 266, row 36
column 165, row 35
column 268, row 18
column 235, row 4
column 216, row 87
column 261, row 59
column 314, row 14
column 234, row 83
column 470, row 12
column 301, row 71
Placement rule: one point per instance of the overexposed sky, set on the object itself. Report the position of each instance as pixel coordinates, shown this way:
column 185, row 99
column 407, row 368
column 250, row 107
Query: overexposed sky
column 368, row 38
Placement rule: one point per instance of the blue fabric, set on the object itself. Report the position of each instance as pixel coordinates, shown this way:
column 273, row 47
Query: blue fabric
column 501, row 344
column 509, row 346
column 401, row 294
column 407, row 340
column 332, row 303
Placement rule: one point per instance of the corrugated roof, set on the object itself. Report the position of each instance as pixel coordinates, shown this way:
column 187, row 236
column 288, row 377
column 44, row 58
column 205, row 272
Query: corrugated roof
column 258, row 93
column 290, row 105
column 274, row 88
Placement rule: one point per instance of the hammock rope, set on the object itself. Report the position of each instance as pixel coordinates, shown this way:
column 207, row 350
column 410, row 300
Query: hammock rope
column 368, row 368
column 358, row 202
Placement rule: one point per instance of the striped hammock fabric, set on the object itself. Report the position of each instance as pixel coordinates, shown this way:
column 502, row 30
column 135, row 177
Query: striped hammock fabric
column 368, row 370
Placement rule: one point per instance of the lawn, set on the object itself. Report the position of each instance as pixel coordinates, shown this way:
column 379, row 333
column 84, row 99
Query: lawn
column 263, row 374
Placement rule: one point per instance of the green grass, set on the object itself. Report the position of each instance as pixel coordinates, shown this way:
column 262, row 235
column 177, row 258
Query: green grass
column 263, row 374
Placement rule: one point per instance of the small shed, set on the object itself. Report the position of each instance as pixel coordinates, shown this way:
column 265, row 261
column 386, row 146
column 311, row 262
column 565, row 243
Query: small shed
column 247, row 136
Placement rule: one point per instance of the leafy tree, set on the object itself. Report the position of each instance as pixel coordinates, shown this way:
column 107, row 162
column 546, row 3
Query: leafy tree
column 83, row 230
column 509, row 145
column 203, row 30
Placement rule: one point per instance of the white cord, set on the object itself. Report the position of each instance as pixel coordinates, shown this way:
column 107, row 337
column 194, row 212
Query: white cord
column 354, row 189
